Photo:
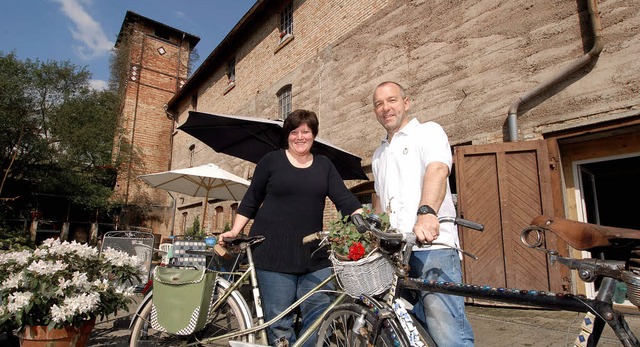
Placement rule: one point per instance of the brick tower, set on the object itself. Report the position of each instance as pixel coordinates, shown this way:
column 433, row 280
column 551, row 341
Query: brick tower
column 157, row 59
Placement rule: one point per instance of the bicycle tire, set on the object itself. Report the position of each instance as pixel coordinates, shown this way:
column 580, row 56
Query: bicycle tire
column 233, row 315
column 337, row 329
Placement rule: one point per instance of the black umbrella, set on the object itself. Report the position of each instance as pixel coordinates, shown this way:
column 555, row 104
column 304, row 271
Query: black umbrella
column 250, row 138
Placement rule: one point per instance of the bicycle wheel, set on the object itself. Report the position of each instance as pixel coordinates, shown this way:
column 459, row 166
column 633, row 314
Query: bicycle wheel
column 233, row 315
column 351, row 325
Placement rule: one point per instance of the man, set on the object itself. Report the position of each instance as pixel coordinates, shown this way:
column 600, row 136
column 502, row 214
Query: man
column 411, row 168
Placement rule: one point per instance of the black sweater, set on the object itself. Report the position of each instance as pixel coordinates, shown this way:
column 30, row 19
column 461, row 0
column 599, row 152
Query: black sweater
column 287, row 203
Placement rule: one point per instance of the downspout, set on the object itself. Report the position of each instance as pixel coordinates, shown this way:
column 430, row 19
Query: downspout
column 133, row 125
column 598, row 44
column 172, row 118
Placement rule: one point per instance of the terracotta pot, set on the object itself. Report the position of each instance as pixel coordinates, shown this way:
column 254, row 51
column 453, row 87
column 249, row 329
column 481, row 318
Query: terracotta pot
column 42, row 336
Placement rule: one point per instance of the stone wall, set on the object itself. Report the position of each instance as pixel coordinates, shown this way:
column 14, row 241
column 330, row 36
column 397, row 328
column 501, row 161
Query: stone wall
column 463, row 64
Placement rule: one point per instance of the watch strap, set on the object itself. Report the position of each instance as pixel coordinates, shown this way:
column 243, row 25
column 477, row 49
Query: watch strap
column 426, row 209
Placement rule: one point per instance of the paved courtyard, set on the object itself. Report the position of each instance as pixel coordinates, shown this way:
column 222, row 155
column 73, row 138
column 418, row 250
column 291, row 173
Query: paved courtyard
column 493, row 327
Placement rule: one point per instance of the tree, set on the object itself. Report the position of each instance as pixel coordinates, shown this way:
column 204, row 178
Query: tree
column 56, row 133
column 195, row 230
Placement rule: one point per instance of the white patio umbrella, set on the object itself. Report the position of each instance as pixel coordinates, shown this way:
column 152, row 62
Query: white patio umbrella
column 208, row 181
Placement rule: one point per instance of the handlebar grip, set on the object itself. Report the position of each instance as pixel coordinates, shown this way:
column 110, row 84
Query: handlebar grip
column 361, row 224
column 315, row 236
column 469, row 224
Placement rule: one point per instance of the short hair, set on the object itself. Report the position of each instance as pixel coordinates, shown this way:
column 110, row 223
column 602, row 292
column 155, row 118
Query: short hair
column 402, row 91
column 298, row 118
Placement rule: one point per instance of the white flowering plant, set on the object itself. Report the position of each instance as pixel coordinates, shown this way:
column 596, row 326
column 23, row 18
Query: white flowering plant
column 64, row 283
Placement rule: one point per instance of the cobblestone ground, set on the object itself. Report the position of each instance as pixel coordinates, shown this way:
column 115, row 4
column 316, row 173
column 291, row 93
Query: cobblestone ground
column 493, row 327
column 114, row 330
column 500, row 326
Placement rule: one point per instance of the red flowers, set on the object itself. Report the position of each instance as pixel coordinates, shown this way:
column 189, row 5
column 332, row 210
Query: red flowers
column 356, row 251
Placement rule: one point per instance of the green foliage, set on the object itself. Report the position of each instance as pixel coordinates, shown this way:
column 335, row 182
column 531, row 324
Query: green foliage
column 57, row 133
column 195, row 230
column 13, row 239
column 343, row 235
column 227, row 226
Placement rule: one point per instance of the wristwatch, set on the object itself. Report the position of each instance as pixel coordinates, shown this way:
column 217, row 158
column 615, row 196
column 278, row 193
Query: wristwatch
column 426, row 209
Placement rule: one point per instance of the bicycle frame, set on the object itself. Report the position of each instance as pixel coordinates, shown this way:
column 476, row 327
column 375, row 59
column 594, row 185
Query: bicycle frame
column 588, row 269
column 262, row 325
column 239, row 279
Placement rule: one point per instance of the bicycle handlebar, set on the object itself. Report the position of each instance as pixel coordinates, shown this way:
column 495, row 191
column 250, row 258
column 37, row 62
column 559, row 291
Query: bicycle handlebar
column 362, row 226
column 315, row 236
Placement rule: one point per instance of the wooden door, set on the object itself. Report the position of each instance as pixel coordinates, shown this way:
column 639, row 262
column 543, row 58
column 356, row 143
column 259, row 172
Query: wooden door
column 504, row 186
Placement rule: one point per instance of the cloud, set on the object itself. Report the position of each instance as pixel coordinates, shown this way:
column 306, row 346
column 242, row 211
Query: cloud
column 86, row 30
column 98, row 85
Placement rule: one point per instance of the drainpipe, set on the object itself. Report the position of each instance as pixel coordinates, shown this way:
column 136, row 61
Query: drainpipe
column 172, row 117
column 598, row 44
column 173, row 216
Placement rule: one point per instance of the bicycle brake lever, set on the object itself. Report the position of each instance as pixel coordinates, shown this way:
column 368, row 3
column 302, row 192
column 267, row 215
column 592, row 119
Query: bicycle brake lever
column 323, row 242
column 472, row 256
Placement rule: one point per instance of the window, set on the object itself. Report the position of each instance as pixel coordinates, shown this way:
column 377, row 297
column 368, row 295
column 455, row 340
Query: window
column 194, row 102
column 183, row 225
column 231, row 71
column 191, row 154
column 286, row 22
column 163, row 33
column 219, row 218
column 284, row 102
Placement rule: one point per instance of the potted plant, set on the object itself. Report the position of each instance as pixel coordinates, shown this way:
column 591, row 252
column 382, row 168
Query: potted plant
column 63, row 287
column 355, row 256
column 349, row 244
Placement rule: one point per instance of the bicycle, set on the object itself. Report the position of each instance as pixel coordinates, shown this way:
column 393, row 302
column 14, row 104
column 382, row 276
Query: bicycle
column 384, row 320
column 231, row 318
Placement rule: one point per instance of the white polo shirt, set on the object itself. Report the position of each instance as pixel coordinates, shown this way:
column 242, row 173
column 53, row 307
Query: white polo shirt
column 399, row 167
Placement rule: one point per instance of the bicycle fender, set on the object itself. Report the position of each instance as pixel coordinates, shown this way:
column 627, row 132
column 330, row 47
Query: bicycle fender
column 142, row 304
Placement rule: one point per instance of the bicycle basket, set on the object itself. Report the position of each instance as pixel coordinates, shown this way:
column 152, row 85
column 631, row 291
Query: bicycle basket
column 371, row 275
column 182, row 299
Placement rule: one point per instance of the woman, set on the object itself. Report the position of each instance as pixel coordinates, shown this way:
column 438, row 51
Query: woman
column 286, row 199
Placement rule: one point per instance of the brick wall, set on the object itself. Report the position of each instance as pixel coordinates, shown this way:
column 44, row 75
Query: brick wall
column 262, row 68
column 158, row 67
column 463, row 64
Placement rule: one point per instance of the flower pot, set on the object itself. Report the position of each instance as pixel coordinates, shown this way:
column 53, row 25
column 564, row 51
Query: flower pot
column 42, row 336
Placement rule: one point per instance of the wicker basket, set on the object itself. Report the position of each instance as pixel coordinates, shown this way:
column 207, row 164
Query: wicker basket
column 371, row 275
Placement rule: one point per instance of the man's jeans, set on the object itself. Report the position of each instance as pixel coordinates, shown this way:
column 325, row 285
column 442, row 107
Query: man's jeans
column 442, row 315
column 280, row 290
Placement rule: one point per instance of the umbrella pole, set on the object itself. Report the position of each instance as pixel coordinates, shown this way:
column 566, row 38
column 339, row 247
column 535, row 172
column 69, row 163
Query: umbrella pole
column 205, row 223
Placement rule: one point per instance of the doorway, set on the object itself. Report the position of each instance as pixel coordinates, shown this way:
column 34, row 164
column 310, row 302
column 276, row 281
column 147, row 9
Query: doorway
column 606, row 186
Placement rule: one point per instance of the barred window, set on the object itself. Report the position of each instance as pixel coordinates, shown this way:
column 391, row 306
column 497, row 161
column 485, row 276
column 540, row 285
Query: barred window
column 286, row 21
column 284, row 102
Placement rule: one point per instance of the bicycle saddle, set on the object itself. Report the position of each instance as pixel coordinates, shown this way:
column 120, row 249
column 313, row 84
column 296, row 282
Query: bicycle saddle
column 235, row 241
column 584, row 236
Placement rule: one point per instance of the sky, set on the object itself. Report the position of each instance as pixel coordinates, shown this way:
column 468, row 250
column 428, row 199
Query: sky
column 84, row 32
